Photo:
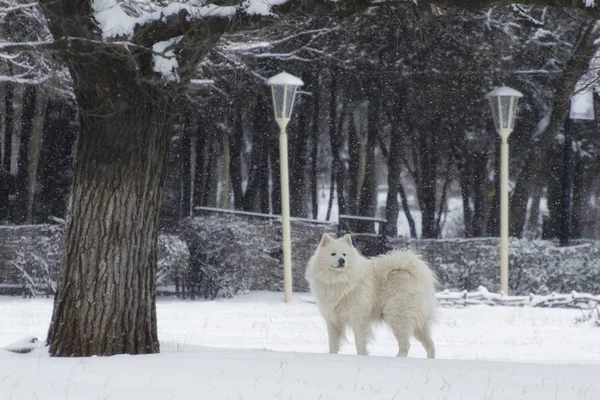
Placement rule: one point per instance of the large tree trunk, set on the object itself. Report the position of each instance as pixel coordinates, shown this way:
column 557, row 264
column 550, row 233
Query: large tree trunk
column 105, row 302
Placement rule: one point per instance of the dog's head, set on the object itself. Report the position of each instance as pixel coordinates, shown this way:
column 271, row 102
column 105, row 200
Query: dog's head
column 336, row 254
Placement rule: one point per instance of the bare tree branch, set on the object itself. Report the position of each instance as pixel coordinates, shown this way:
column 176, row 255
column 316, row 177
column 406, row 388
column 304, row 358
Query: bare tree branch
column 591, row 11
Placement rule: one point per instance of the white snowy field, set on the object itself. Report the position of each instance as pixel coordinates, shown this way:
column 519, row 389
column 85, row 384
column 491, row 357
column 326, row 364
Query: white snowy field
column 257, row 347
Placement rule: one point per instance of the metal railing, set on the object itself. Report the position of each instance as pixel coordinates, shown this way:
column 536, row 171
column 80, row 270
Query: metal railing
column 342, row 224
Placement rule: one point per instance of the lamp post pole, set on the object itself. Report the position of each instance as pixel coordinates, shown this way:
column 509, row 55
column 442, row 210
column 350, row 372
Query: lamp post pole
column 504, row 133
column 503, row 101
column 283, row 89
column 285, row 213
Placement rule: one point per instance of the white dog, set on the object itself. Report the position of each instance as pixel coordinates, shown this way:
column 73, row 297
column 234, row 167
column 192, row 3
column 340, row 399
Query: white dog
column 397, row 288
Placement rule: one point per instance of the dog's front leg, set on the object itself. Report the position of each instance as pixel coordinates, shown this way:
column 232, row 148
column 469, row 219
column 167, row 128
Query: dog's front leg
column 360, row 338
column 335, row 334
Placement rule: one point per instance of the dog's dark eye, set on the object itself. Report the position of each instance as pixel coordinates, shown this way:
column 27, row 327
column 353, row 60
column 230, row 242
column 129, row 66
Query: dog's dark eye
column 333, row 254
column 344, row 254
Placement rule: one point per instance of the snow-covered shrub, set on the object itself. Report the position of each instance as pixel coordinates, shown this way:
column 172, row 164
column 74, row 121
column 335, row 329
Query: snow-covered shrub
column 173, row 262
column 31, row 259
column 536, row 266
column 35, row 260
column 220, row 255
column 229, row 254
column 226, row 254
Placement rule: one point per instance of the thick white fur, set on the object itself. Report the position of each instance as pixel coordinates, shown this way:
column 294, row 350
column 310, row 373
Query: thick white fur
column 397, row 288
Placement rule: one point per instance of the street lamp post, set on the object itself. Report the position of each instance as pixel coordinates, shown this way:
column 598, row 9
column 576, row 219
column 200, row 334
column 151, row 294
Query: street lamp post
column 503, row 101
column 283, row 88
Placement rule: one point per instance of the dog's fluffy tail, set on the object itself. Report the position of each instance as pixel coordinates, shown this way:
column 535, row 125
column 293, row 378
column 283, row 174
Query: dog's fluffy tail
column 414, row 265
column 410, row 262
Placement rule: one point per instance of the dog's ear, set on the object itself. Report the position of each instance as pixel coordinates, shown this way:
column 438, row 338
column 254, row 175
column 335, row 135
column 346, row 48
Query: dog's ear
column 347, row 238
column 325, row 239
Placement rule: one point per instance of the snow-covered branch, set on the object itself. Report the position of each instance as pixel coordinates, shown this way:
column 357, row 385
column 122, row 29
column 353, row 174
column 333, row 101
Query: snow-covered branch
column 8, row 7
column 588, row 6
column 22, row 24
column 483, row 296
column 65, row 44
column 114, row 22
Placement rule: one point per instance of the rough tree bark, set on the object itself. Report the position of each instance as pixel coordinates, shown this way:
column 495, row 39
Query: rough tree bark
column 105, row 302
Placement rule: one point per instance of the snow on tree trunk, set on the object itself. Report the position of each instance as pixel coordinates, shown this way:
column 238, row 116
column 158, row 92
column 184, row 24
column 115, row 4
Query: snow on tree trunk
column 105, row 303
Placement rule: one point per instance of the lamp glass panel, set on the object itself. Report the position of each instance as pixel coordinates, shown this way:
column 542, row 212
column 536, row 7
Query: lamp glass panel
column 494, row 107
column 505, row 111
column 290, row 94
column 278, row 100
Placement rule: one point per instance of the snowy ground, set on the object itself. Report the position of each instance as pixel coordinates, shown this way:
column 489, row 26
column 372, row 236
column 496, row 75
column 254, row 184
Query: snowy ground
column 483, row 353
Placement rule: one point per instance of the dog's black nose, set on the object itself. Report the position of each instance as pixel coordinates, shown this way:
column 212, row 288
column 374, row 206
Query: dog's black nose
column 341, row 261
